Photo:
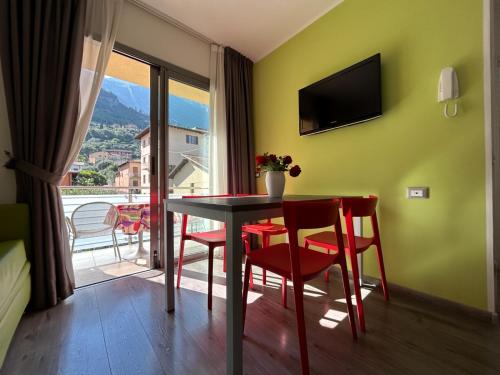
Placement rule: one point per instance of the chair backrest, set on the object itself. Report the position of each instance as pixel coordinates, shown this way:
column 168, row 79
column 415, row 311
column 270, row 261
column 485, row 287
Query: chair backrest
column 94, row 218
column 185, row 216
column 310, row 215
column 359, row 206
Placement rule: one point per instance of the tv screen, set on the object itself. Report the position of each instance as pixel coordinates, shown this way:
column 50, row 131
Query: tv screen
column 350, row 96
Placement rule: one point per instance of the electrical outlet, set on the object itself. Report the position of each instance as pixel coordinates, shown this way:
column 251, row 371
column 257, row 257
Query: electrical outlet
column 417, row 193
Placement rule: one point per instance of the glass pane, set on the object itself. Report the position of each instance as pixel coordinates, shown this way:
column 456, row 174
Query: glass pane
column 110, row 168
column 188, row 112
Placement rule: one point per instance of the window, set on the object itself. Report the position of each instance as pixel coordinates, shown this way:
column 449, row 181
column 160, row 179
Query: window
column 191, row 139
column 135, row 170
column 143, row 178
column 135, row 183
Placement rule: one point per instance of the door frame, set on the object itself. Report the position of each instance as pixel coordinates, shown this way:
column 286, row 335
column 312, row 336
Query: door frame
column 491, row 79
column 161, row 72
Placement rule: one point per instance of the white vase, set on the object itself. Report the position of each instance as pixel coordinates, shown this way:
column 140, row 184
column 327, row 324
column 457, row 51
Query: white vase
column 275, row 183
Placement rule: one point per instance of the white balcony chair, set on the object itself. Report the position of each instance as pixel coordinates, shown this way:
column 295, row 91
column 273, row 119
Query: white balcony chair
column 92, row 220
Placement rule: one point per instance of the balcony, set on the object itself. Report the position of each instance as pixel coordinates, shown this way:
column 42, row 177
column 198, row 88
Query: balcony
column 94, row 259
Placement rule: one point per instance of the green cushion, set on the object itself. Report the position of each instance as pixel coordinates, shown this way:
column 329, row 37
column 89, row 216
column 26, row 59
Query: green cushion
column 15, row 223
column 12, row 261
column 10, row 318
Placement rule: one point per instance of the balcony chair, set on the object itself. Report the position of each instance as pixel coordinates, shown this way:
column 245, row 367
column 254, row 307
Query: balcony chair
column 294, row 262
column 355, row 207
column 94, row 219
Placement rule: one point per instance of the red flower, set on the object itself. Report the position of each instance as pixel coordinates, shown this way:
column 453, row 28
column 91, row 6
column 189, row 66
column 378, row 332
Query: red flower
column 260, row 160
column 295, row 171
column 287, row 159
column 273, row 158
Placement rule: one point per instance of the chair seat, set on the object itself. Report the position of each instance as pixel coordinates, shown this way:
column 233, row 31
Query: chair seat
column 276, row 258
column 261, row 228
column 215, row 238
column 329, row 240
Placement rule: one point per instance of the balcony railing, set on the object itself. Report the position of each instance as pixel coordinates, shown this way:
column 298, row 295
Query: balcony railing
column 75, row 196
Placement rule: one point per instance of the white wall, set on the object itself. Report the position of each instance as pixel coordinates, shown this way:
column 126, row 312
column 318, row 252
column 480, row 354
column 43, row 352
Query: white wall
column 139, row 30
column 7, row 179
column 147, row 33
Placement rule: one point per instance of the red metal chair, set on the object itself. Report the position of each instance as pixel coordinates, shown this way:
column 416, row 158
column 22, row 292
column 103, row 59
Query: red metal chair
column 355, row 207
column 298, row 264
column 211, row 239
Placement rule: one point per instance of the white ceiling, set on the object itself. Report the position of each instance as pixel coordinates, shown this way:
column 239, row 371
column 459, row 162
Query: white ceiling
column 253, row 27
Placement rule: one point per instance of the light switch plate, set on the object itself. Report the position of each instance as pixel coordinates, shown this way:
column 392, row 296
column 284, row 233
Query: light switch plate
column 421, row 192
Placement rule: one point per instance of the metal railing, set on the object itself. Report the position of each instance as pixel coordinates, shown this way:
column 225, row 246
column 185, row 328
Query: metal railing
column 75, row 196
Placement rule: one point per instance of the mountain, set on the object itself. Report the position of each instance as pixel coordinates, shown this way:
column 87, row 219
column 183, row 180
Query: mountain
column 110, row 110
column 129, row 94
column 187, row 113
column 184, row 113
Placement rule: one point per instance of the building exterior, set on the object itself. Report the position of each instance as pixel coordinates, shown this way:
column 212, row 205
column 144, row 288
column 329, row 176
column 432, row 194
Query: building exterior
column 190, row 176
column 75, row 168
column 183, row 144
column 118, row 156
column 129, row 174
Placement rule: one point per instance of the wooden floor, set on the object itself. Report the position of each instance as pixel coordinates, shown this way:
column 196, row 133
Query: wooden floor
column 119, row 327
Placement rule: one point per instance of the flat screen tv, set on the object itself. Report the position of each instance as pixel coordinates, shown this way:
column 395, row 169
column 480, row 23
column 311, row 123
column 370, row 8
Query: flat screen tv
column 348, row 97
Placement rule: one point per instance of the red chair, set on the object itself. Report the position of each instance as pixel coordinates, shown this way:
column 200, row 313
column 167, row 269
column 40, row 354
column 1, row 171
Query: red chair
column 298, row 264
column 355, row 207
column 265, row 231
column 211, row 239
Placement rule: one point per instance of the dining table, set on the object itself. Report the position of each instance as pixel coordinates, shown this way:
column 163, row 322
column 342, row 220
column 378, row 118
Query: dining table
column 234, row 212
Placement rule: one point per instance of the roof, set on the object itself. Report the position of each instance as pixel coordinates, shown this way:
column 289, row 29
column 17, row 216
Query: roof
column 199, row 161
column 129, row 161
column 196, row 130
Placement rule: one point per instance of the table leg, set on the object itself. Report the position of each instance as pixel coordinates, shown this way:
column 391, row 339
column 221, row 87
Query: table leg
column 234, row 327
column 169, row 262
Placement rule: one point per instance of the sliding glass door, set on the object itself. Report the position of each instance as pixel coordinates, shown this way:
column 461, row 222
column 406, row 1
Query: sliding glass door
column 188, row 150
column 112, row 177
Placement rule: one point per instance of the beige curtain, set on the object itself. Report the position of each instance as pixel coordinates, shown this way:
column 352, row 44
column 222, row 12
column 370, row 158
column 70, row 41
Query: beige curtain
column 218, row 131
column 101, row 26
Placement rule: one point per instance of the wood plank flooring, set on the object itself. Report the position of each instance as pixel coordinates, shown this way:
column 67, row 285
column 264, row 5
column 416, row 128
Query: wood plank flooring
column 119, row 327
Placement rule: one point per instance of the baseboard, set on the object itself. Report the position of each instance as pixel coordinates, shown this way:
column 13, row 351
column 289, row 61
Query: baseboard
column 441, row 305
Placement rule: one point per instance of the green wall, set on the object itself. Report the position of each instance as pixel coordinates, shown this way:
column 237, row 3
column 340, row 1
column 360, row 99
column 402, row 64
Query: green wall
column 436, row 246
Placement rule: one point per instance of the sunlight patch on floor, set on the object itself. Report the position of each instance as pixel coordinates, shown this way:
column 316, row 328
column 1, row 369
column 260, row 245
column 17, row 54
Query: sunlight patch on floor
column 332, row 318
column 364, row 294
column 218, row 290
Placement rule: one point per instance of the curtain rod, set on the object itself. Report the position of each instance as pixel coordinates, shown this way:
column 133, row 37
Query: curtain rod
column 172, row 21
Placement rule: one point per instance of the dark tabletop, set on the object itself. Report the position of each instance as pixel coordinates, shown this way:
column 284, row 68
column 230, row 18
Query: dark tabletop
column 244, row 203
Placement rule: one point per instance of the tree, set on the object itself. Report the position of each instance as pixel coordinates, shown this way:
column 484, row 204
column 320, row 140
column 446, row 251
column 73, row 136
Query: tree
column 89, row 178
column 105, row 164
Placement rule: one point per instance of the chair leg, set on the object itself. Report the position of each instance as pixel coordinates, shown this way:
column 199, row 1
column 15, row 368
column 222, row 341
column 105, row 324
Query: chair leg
column 248, row 270
column 224, row 265
column 73, row 246
column 283, row 292
column 348, row 297
column 247, row 251
column 180, row 263
column 357, row 291
column 117, row 249
column 327, row 274
column 301, row 325
column 210, row 275
column 265, row 243
column 382, row 271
